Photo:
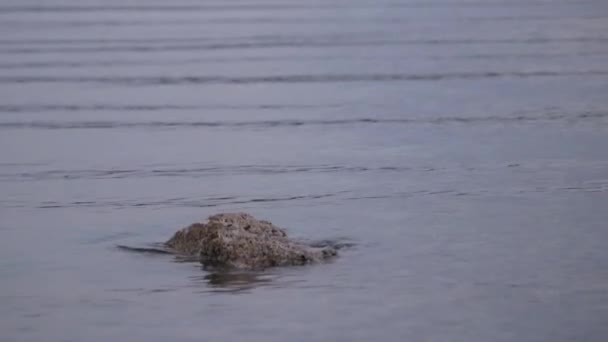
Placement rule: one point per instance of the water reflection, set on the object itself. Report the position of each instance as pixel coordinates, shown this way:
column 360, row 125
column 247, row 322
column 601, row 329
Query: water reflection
column 213, row 279
column 232, row 281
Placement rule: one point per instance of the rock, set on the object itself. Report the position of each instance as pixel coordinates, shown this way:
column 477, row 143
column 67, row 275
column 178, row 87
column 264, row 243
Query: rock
column 241, row 241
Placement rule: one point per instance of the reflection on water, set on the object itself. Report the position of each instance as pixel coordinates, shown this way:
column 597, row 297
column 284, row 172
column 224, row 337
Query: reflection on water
column 233, row 281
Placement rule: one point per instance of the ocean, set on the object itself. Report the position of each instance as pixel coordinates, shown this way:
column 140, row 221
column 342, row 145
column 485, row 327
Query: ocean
column 459, row 147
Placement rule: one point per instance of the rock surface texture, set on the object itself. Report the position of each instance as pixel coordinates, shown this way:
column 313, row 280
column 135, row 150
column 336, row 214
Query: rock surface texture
column 239, row 240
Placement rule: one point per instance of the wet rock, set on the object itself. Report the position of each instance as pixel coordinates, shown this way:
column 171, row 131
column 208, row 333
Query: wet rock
column 239, row 240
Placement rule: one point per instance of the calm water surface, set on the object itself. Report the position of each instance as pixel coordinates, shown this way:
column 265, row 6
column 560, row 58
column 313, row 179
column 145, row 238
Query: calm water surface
column 461, row 145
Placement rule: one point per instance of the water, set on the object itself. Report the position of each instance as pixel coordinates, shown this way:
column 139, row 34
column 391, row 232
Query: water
column 459, row 145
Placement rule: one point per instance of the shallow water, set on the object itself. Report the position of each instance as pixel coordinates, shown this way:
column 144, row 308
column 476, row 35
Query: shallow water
column 460, row 146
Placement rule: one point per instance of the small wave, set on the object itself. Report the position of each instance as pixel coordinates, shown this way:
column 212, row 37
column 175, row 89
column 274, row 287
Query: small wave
column 28, row 108
column 281, row 42
column 271, row 170
column 196, row 172
column 79, row 108
column 279, row 38
column 7, row 9
column 587, row 187
column 240, row 59
column 293, row 79
column 288, row 20
column 509, row 169
column 180, row 202
column 152, row 249
column 40, row 124
column 338, row 243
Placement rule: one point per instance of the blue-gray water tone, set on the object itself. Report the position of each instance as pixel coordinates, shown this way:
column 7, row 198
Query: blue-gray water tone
column 460, row 146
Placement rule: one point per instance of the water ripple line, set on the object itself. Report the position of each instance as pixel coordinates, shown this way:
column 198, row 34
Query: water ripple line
column 292, row 79
column 290, row 42
column 269, row 124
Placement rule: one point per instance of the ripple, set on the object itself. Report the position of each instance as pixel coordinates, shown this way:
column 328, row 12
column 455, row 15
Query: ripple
column 152, row 249
column 284, row 21
column 239, row 59
column 289, row 42
column 28, row 108
column 268, row 124
column 7, row 9
column 600, row 186
column 293, row 79
column 79, row 108
column 551, row 182
column 194, row 172
column 180, row 203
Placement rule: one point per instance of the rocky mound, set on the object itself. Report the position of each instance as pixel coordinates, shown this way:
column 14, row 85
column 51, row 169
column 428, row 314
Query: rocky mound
column 239, row 240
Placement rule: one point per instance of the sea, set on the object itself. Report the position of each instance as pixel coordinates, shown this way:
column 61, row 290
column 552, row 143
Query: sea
column 458, row 149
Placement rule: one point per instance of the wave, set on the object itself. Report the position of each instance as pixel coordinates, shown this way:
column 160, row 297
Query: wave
column 292, row 79
column 240, row 59
column 288, row 43
column 196, row 172
column 550, row 116
column 281, row 39
column 317, row 20
column 523, row 169
column 598, row 186
column 29, row 108
column 152, row 171
column 7, row 9
column 180, row 202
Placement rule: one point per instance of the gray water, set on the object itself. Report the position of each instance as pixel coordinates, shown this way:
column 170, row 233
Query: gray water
column 461, row 146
